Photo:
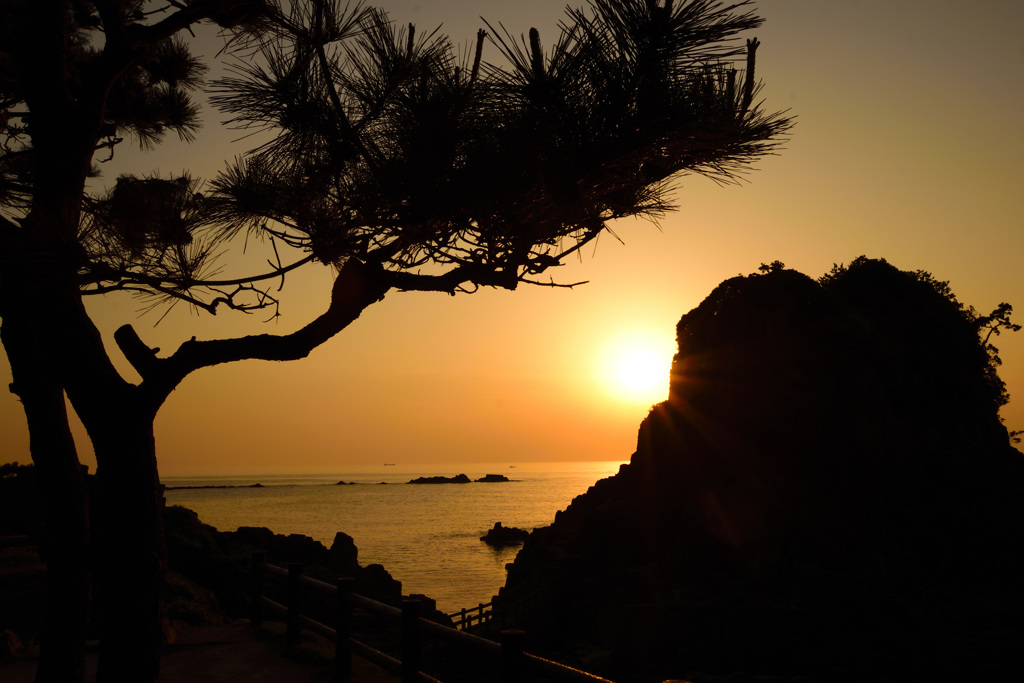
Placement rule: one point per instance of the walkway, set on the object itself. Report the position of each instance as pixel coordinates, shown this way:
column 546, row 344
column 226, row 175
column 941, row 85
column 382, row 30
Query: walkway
column 234, row 653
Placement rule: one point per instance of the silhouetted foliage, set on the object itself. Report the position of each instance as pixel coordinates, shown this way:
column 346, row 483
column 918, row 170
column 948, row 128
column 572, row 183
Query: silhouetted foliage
column 391, row 159
column 453, row 174
column 970, row 325
column 771, row 267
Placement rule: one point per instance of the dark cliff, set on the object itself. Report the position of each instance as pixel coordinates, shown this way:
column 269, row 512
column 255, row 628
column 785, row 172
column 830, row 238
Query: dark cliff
column 827, row 493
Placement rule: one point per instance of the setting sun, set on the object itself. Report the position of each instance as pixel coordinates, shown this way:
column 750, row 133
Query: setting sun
column 635, row 367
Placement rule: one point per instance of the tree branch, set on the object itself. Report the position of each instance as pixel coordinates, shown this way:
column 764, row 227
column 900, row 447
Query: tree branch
column 187, row 15
column 552, row 283
column 126, row 277
column 451, row 281
column 357, row 286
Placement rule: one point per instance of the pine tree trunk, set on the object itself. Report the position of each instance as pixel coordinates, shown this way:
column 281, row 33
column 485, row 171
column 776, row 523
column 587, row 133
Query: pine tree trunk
column 66, row 553
column 53, row 348
column 64, row 547
column 131, row 557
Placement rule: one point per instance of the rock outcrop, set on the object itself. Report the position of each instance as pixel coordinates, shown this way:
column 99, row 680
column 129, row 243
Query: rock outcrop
column 457, row 479
column 220, row 560
column 828, row 492
column 500, row 536
column 493, row 478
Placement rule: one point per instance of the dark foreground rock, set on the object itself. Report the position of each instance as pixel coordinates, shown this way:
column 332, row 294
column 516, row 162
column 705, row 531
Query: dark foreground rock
column 208, row 577
column 221, row 561
column 500, row 536
column 827, row 494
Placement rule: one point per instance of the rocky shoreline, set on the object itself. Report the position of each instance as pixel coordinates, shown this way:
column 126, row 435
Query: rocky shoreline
column 221, row 561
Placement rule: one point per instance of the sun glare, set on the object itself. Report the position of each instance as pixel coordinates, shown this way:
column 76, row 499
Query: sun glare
column 635, row 368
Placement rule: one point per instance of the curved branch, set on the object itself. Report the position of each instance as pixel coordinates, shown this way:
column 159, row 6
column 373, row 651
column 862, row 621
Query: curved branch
column 182, row 19
column 552, row 283
column 124, row 278
column 276, row 273
column 357, row 286
column 451, row 281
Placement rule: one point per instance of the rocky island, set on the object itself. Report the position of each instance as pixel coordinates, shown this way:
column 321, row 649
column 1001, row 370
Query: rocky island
column 459, row 479
column 493, row 478
column 827, row 494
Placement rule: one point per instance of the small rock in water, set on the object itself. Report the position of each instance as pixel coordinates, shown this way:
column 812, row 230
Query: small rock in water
column 500, row 536
column 487, row 478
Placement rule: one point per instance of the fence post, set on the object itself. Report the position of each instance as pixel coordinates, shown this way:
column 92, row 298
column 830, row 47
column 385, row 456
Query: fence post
column 512, row 655
column 294, row 604
column 410, row 639
column 343, row 629
column 256, row 589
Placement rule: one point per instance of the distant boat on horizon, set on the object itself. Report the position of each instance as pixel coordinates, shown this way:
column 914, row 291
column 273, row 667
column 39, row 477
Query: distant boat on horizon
column 511, row 467
column 389, row 464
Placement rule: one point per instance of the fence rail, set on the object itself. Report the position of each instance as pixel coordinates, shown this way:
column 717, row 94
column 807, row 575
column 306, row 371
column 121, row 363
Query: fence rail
column 514, row 665
column 464, row 619
column 16, row 541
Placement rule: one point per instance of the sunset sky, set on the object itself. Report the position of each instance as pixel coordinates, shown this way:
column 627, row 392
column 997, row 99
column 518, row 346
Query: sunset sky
column 909, row 146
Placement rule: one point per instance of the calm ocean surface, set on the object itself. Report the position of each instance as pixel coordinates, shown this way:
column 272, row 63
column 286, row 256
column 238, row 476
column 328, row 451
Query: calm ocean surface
column 426, row 536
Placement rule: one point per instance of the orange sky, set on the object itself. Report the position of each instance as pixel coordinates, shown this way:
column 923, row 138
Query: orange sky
column 908, row 146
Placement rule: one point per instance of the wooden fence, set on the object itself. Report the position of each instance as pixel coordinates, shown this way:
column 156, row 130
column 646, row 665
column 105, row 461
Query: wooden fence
column 506, row 657
column 487, row 618
column 465, row 619
column 16, row 541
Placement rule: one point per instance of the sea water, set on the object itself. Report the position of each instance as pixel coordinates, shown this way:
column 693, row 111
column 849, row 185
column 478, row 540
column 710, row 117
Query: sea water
column 426, row 535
